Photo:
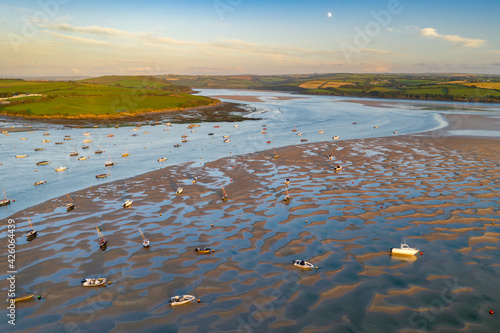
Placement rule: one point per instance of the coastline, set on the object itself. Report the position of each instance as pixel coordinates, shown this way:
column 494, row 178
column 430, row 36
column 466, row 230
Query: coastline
column 436, row 190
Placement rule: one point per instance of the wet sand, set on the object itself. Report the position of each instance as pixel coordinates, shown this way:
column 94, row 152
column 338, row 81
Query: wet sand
column 439, row 194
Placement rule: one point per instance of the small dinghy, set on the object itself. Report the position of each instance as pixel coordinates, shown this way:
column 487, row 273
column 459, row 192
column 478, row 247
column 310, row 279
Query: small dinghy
column 299, row 133
column 86, row 133
column 336, row 137
column 330, row 157
column 83, row 158
column 70, row 205
column 287, row 181
column 45, row 141
column 179, row 190
column 102, row 175
column 85, row 147
column 205, row 250
column 59, row 143
column 102, row 241
column 225, row 136
column 179, row 300
column 22, row 297
column 227, row 140
column 184, row 140
column 39, row 149
column 404, row 249
column 74, row 153
column 177, row 145
column 210, row 133
column 20, row 156
column 61, row 168
column 338, row 167
column 68, row 138
column 88, row 141
column 32, row 233
column 93, row 282
column 127, row 203
column 23, row 138
column 110, row 135
column 303, row 264
column 195, row 180
column 224, row 195
column 162, row 159
column 4, row 202
column 42, row 162
column 303, row 140
column 46, row 133
column 40, row 182
column 275, row 153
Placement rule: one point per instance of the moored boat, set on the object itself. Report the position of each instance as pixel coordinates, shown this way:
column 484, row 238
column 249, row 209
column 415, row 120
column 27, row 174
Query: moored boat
column 103, row 242
column 93, row 282
column 40, row 182
column 162, row 159
column 102, row 175
column 83, row 158
column 127, row 203
column 338, row 167
column 5, row 201
column 145, row 241
column 336, row 137
column 21, row 156
column 39, row 149
column 179, row 300
column 224, row 195
column 195, row 180
column 179, row 190
column 306, row 265
column 61, row 168
column 205, row 250
column 405, row 249
column 85, row 147
column 70, row 205
column 32, row 232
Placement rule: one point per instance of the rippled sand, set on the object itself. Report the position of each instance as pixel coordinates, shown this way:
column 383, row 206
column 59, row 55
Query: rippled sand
column 442, row 197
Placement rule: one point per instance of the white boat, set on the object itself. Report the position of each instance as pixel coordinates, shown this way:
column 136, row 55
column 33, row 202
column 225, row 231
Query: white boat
column 4, row 202
column 179, row 190
column 86, row 133
column 287, row 181
column 395, row 132
column 70, row 205
column 263, row 132
column 83, row 158
column 321, row 131
column 236, row 125
column 88, row 140
column 179, row 300
column 168, row 124
column 162, row 159
column 299, row 133
column 127, row 203
column 336, row 137
column 227, row 140
column 145, row 241
column 195, row 180
column 306, row 265
column 225, row 136
column 110, row 162
column 404, row 249
column 23, row 138
column 94, row 282
column 338, row 168
column 40, row 182
column 20, row 156
column 61, row 168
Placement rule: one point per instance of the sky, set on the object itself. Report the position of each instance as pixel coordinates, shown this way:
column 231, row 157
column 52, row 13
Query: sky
column 222, row 37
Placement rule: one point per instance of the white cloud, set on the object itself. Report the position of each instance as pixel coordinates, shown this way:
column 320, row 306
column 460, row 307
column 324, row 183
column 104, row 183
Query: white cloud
column 94, row 30
column 77, row 39
column 465, row 42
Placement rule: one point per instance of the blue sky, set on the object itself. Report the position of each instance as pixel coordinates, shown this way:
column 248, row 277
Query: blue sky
column 70, row 37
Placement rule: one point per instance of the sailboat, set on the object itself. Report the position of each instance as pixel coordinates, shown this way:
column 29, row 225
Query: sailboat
column 74, row 153
column 99, row 151
column 4, row 202
column 110, row 162
column 70, row 205
column 102, row 241
column 145, row 241
column 321, row 131
column 275, row 153
column 288, row 197
column 224, row 196
column 294, row 129
column 287, row 181
column 179, row 190
column 32, row 232
column 125, row 154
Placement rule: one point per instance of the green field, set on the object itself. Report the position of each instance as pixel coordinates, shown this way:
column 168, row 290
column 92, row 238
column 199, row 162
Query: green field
column 466, row 88
column 112, row 96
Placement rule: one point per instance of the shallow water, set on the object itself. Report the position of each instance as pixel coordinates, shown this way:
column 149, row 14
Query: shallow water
column 344, row 223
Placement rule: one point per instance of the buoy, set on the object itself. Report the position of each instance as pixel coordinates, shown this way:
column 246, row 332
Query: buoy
column 492, row 312
column 36, row 170
column 212, row 225
column 316, row 267
column 39, row 296
column 199, row 300
column 109, row 282
column 14, row 200
column 421, row 253
column 160, row 214
column 381, row 207
column 213, row 250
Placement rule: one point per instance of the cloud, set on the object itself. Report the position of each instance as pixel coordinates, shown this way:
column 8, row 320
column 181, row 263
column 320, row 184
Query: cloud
column 77, row 39
column 465, row 42
column 93, row 30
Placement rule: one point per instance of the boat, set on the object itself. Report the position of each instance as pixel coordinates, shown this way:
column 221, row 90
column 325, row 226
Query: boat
column 236, row 125
column 45, row 141
column 303, row 264
column 61, row 168
column 288, row 197
column 216, row 126
column 46, row 133
column 88, row 141
column 303, row 140
column 134, row 129
column 85, row 147
column 110, row 135
column 83, row 158
column 227, row 140
column 110, row 162
column 145, row 241
column 321, row 131
column 32, row 232
column 23, row 138
column 195, row 180
column 405, row 249
column 125, row 154
column 210, row 133
column 127, row 203
column 135, row 134
column 184, row 140
column 225, row 136
column 40, row 182
column 184, row 136
column 67, row 139
column 179, row 300
column 39, row 149
column 224, row 195
column 177, row 145
column 205, row 250
column 287, row 181
column 263, row 132
column 179, row 190
column 4, row 202
column 338, row 168
column 20, row 156
column 395, row 132
column 294, row 129
column 275, row 153
column 336, row 137
column 99, row 151
column 299, row 133
column 94, row 282
column 74, row 153
column 330, row 157
column 168, row 124
column 102, row 241
column 193, row 131
column 162, row 159
column 86, row 133
column 375, row 126
column 59, row 143
column 22, row 297
column 70, row 205
column 102, row 175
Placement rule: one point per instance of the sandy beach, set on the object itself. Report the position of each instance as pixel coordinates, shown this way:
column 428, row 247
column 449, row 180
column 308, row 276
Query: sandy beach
column 438, row 192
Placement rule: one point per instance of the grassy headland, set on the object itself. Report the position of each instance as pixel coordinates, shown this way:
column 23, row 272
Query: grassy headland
column 107, row 97
column 443, row 87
